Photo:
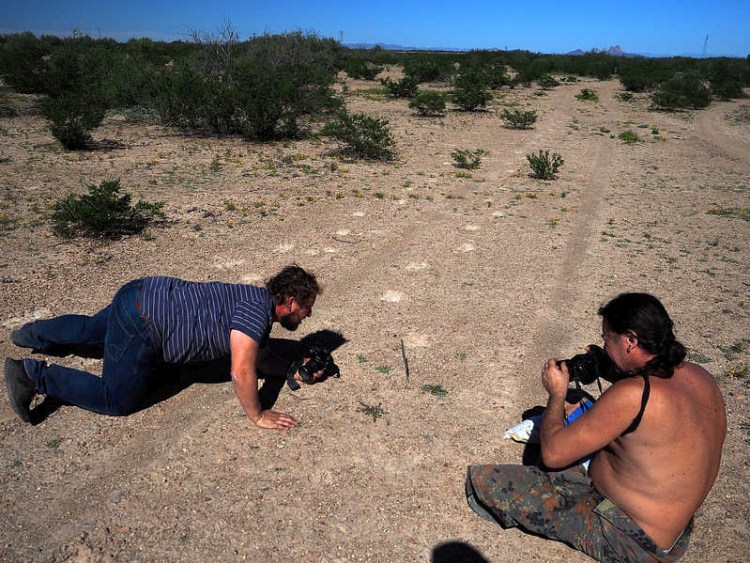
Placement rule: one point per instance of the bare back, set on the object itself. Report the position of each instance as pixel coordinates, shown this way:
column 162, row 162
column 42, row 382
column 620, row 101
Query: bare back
column 662, row 472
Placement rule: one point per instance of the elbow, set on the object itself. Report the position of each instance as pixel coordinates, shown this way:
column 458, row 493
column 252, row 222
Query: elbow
column 554, row 458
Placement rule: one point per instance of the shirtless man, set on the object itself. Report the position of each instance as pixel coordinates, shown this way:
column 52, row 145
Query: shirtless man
column 657, row 433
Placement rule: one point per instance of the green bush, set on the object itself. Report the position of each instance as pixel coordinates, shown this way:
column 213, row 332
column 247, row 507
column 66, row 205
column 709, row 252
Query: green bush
column 471, row 90
column 683, row 90
column 543, row 166
column 361, row 135
column 404, row 88
column 6, row 107
column 628, row 136
column 362, row 70
column 77, row 98
column 428, row 103
column 625, row 96
column 22, row 62
column 103, row 213
column 467, row 159
column 427, row 70
column 518, row 118
column 547, row 81
column 587, row 95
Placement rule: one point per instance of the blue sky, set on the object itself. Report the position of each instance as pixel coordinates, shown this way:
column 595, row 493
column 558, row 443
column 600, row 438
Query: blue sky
column 656, row 27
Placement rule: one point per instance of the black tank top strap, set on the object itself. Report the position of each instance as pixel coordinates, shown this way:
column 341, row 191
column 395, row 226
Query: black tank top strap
column 644, row 400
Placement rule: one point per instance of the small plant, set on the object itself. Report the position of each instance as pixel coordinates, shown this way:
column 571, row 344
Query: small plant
column 733, row 350
column 6, row 107
column 428, row 103
column 405, row 88
column 547, row 81
column 362, row 135
column 361, row 358
column 732, row 212
column 628, row 136
column 383, row 369
column 103, row 213
column 738, row 371
column 374, row 411
column 436, row 390
column 53, row 444
column 699, row 358
column 518, row 119
column 625, row 96
column 587, row 95
column 467, row 159
column 543, row 166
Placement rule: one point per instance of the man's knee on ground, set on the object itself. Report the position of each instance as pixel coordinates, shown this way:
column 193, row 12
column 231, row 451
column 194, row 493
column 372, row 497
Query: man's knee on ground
column 121, row 406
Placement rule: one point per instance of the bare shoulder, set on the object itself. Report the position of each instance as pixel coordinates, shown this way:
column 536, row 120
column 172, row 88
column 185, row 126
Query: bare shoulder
column 695, row 379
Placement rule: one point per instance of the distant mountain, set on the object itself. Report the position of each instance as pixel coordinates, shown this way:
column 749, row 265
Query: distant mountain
column 615, row 51
column 391, row 47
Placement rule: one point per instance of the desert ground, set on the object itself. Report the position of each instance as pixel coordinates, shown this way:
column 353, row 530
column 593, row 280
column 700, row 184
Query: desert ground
column 444, row 289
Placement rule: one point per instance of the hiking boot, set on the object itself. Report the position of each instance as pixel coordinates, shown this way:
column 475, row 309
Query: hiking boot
column 21, row 388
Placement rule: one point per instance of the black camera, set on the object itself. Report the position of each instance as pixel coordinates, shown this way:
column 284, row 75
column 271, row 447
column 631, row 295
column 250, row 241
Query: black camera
column 588, row 367
column 320, row 359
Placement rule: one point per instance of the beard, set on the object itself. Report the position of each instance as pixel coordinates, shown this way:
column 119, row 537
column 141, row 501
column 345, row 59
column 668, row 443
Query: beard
column 289, row 323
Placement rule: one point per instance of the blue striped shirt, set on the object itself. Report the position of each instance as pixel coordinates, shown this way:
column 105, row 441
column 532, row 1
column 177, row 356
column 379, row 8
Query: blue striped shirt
column 192, row 320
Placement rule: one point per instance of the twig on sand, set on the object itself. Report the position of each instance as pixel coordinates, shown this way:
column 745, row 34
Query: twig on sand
column 406, row 362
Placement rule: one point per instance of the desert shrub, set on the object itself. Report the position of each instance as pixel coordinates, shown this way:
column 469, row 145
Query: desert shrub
column 282, row 78
column 518, row 118
column 683, row 90
column 471, row 90
column 547, row 81
column 467, row 159
column 587, row 95
column 628, row 136
column 77, row 98
column 543, row 166
column 405, row 87
column 496, row 75
column 362, row 70
column 6, row 107
column 264, row 88
column 728, row 77
column 362, row 135
column 421, row 70
column 568, row 79
column 428, row 103
column 102, row 213
column 22, row 62
column 625, row 96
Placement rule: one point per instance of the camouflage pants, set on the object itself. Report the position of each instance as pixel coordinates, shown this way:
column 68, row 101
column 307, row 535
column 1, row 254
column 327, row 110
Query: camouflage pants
column 563, row 506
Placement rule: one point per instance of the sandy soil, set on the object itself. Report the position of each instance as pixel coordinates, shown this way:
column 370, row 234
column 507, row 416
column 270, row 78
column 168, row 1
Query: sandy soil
column 481, row 278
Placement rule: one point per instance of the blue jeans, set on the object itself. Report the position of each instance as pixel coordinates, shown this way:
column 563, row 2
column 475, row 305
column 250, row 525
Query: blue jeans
column 129, row 354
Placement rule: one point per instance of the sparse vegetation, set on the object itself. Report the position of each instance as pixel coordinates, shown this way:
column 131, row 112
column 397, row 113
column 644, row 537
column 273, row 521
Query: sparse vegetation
column 628, row 136
column 406, row 87
column 587, row 95
column 518, row 118
column 467, row 159
column 364, row 136
column 102, row 213
column 436, row 390
column 544, row 166
column 373, row 411
column 429, row 103
column 732, row 212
